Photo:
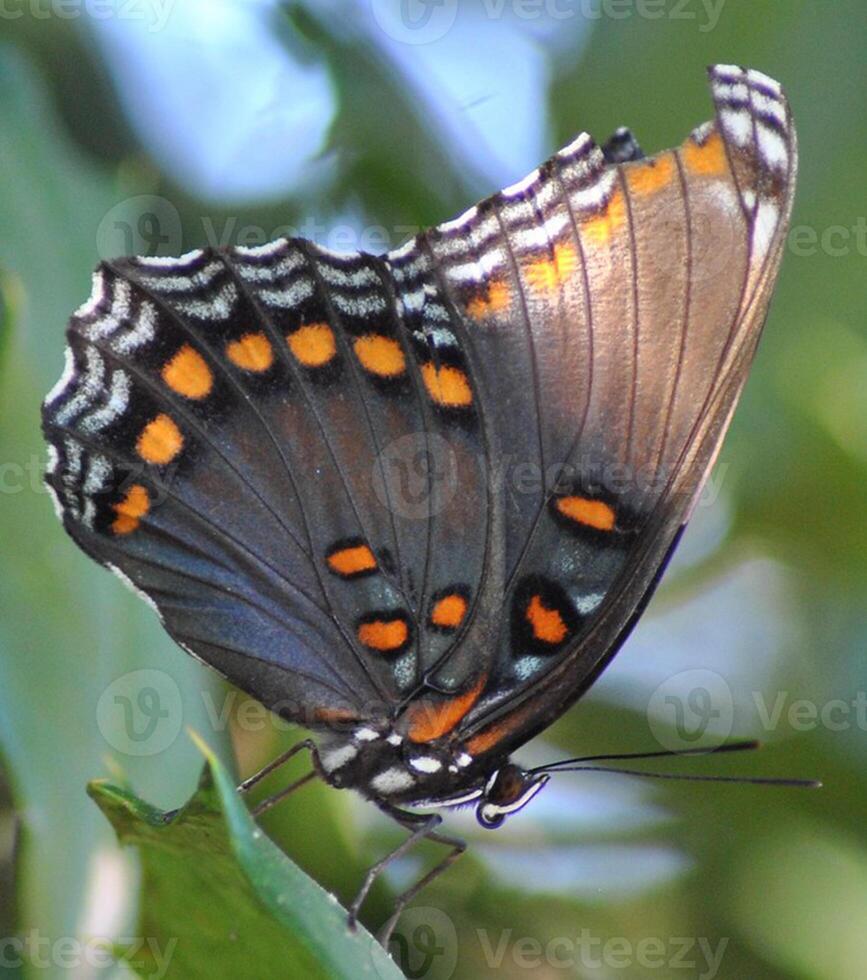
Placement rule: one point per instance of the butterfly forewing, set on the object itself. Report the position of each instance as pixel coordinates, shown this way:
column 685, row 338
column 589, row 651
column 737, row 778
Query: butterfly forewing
column 680, row 279
column 346, row 481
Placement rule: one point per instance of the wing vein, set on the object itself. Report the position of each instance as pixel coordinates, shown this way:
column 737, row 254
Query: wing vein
column 528, row 331
column 335, row 318
column 687, row 303
column 634, row 321
column 214, row 530
column 588, row 307
column 147, row 381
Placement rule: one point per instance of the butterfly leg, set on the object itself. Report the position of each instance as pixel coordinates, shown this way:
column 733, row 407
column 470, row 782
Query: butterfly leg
column 423, row 828
column 458, row 847
column 282, row 759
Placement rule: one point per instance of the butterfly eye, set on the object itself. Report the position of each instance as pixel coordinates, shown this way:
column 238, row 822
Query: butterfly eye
column 510, row 789
column 489, row 816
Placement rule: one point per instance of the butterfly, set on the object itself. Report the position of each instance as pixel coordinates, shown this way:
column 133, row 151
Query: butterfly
column 416, row 502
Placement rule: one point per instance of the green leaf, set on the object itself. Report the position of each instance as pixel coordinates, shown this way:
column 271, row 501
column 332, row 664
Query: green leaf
column 213, row 881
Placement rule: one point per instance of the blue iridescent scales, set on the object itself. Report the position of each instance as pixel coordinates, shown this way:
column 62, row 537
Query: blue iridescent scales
column 429, row 492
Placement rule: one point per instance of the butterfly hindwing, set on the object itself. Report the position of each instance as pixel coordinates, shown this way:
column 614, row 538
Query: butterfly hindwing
column 256, row 439
column 189, row 437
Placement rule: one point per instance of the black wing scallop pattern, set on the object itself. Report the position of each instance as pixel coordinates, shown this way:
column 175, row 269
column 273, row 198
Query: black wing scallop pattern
column 212, row 442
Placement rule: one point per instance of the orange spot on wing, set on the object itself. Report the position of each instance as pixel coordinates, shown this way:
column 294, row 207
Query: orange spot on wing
column 131, row 509
column 496, row 298
column 593, row 513
column 382, row 356
column 600, row 229
column 384, row 635
column 351, row 560
column 708, row 158
column 252, row 352
column 313, row 344
column 160, row 441
column 428, row 720
column 550, row 273
column 449, row 611
column 547, row 624
column 447, row 385
column 649, row 176
column 188, row 374
column 491, row 736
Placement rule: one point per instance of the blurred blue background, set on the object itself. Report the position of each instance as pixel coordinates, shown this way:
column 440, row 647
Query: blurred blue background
column 155, row 127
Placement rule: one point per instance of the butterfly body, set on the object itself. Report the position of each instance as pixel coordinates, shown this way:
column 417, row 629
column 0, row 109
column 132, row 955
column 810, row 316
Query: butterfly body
column 416, row 502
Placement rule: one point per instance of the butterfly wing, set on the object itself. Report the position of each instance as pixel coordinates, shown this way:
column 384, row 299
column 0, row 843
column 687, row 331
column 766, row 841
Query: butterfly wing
column 329, row 472
column 608, row 315
column 211, row 442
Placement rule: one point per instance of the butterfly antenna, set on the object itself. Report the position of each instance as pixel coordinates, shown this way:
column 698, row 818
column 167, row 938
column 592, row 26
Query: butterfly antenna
column 587, row 764
column 744, row 746
column 754, row 780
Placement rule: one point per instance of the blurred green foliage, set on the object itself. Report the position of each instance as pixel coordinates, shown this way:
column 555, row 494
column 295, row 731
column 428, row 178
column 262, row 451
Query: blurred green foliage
column 781, row 877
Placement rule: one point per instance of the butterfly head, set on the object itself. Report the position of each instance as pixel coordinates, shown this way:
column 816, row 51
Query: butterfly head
column 508, row 790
